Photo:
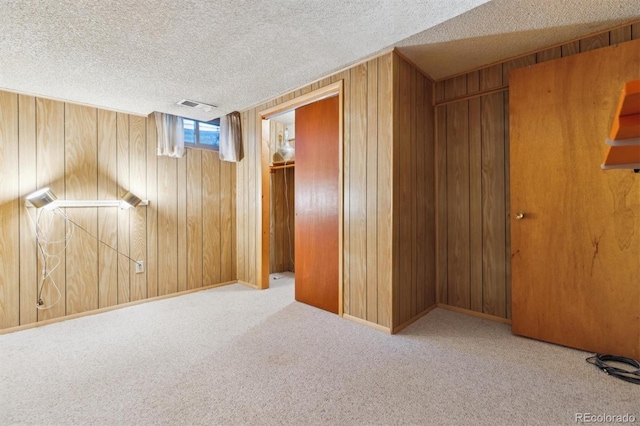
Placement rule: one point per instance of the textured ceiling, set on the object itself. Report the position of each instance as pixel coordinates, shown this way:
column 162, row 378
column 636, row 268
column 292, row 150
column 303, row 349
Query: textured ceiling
column 144, row 56
column 502, row 29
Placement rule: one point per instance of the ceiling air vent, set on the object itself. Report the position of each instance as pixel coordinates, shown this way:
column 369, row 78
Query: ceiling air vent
column 197, row 105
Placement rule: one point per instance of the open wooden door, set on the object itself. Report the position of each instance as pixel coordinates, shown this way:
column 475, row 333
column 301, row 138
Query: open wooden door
column 317, row 192
column 575, row 231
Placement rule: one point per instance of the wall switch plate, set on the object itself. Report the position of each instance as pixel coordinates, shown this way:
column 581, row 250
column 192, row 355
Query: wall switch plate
column 139, row 267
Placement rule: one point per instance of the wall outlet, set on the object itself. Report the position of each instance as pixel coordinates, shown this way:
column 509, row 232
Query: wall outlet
column 139, row 266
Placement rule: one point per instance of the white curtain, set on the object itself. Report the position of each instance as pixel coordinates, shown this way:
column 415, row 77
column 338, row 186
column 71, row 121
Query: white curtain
column 170, row 131
column 231, row 138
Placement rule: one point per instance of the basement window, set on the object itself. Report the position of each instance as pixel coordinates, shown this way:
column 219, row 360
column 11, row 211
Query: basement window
column 202, row 134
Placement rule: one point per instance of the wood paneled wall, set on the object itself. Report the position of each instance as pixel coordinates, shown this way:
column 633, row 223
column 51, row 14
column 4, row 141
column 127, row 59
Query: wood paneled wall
column 282, row 223
column 186, row 235
column 472, row 178
column 367, row 156
column 281, row 207
column 371, row 141
column 413, row 193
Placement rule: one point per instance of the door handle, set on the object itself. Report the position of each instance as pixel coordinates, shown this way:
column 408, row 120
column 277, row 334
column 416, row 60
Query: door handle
column 519, row 215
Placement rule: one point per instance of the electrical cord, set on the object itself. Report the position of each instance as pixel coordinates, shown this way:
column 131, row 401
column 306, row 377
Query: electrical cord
column 630, row 376
column 50, row 260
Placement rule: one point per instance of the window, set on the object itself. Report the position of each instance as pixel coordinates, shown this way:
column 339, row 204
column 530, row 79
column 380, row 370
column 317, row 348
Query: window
column 202, row 134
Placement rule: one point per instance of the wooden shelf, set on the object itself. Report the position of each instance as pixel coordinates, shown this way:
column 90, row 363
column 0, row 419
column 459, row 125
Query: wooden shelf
column 623, row 150
column 281, row 165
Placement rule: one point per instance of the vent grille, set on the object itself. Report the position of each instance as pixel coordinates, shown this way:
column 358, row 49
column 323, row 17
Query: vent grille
column 198, row 105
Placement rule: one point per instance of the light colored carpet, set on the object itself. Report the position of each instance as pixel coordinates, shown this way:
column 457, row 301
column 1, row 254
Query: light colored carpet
column 234, row 355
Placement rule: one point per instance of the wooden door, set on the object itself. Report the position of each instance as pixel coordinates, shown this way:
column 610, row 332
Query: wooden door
column 317, row 193
column 576, row 252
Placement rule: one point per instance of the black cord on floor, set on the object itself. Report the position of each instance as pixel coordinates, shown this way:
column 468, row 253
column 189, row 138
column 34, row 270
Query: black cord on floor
column 630, row 376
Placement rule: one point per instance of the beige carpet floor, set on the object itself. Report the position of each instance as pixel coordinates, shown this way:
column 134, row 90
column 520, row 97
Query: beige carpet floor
column 234, row 355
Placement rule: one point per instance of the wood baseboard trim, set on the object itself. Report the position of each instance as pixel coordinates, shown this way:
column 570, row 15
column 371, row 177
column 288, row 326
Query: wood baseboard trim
column 414, row 319
column 474, row 313
column 111, row 308
column 367, row 323
column 253, row 286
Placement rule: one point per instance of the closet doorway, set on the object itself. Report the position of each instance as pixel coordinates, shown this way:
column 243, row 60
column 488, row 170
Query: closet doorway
column 302, row 195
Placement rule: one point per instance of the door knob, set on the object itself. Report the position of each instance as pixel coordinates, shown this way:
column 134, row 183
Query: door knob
column 519, row 215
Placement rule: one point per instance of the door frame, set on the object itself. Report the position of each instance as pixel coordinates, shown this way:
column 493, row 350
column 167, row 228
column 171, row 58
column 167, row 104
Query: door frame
column 333, row 89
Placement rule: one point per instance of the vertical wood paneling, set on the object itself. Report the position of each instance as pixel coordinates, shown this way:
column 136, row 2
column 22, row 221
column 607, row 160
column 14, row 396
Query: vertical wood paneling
column 182, row 222
column 507, row 209
column 414, row 192
column 124, row 169
column 490, row 246
column 275, row 213
column 358, row 193
column 403, row 194
column 372, row 192
column 439, row 94
column 440, row 162
column 108, row 216
column 549, row 54
column 241, row 202
column 473, row 82
column 493, row 205
column 194, row 218
column 9, row 212
column 81, row 172
column 595, row 42
column 234, row 225
column 225, row 221
column 420, row 206
column 138, row 216
column 385, row 189
column 27, row 175
column 346, row 185
column 570, row 48
column 277, row 238
column 520, row 62
column 95, row 154
column 635, row 31
column 455, row 87
column 282, row 219
column 475, row 205
column 411, row 213
column 253, row 174
column 292, row 222
column 396, row 196
column 210, row 219
column 388, row 121
column 620, row 35
column 51, row 172
column 491, row 77
column 458, row 204
column 167, row 225
column 428, row 185
column 152, row 209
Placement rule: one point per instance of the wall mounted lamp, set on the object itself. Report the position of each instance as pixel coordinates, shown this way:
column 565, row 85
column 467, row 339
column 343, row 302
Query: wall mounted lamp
column 46, row 198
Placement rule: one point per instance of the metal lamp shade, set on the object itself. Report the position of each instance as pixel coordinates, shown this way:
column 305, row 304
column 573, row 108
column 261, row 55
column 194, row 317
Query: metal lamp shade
column 129, row 200
column 41, row 198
